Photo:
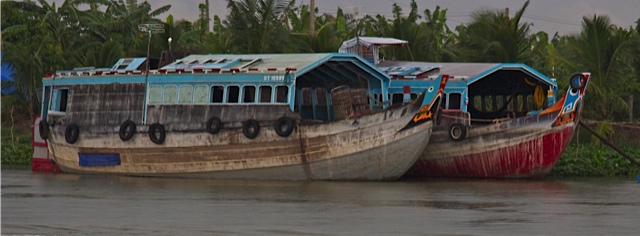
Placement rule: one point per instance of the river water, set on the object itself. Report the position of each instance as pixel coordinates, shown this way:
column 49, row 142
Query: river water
column 66, row 204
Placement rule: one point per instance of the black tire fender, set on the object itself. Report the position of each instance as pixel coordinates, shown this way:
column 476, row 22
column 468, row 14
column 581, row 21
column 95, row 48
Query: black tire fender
column 71, row 133
column 251, row 128
column 157, row 134
column 127, row 130
column 43, row 129
column 577, row 81
column 457, row 131
column 214, row 124
column 284, row 126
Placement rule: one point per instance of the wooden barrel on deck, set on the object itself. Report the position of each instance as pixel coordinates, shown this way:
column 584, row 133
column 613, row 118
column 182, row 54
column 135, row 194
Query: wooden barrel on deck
column 360, row 101
column 341, row 100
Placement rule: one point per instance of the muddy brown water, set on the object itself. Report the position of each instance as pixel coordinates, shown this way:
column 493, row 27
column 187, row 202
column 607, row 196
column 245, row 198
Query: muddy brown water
column 65, row 204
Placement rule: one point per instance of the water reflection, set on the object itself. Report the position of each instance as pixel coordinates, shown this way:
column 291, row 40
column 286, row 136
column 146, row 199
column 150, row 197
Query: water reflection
column 37, row 203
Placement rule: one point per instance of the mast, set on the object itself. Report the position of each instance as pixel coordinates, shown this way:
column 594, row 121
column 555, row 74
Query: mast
column 206, row 2
column 312, row 16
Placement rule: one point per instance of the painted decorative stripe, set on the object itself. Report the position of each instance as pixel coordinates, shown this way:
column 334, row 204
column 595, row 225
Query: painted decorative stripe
column 99, row 159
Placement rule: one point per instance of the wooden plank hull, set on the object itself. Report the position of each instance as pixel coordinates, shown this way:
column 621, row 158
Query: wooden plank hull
column 372, row 147
column 529, row 151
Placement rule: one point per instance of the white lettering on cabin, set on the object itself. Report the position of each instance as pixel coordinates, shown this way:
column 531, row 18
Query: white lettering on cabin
column 274, row 78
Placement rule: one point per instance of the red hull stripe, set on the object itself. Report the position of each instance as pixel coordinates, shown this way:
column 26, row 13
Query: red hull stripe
column 530, row 159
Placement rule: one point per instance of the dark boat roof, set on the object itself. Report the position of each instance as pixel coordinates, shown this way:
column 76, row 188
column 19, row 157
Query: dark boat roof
column 468, row 72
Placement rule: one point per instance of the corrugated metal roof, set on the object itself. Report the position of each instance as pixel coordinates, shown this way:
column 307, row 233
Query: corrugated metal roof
column 260, row 61
column 468, row 70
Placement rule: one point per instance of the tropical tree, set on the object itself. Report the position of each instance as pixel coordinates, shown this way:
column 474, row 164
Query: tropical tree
column 492, row 36
column 605, row 51
column 122, row 23
column 29, row 45
column 257, row 26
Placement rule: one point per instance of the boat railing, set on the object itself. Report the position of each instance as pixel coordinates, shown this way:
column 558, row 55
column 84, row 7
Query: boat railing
column 195, row 70
column 452, row 116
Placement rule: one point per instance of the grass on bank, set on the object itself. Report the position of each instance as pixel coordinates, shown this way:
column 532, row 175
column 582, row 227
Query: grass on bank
column 16, row 146
column 590, row 160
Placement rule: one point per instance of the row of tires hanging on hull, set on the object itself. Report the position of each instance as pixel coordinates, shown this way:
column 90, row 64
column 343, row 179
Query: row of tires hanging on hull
column 250, row 128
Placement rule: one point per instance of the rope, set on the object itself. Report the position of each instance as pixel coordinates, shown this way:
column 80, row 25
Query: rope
column 497, row 120
column 631, row 126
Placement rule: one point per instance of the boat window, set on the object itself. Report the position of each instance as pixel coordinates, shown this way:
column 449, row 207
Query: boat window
column 306, row 96
column 249, row 94
column 414, row 96
column 454, row 101
column 200, row 94
column 60, row 99
column 397, row 98
column 509, row 103
column 185, row 94
column 500, row 102
column 443, row 104
column 321, row 96
column 217, row 94
column 233, row 94
column 520, row 103
column 265, row 94
column 378, row 97
column 155, row 94
column 488, row 103
column 170, row 94
column 530, row 104
column 477, row 103
column 282, row 94
column 125, row 63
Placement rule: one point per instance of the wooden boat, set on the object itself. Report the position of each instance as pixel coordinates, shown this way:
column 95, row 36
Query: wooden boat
column 497, row 120
column 274, row 117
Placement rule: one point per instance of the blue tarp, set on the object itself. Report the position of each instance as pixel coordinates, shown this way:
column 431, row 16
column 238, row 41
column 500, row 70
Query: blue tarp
column 99, row 159
column 7, row 76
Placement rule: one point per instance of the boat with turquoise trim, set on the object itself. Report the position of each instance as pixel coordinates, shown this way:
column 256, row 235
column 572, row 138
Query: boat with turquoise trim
column 272, row 116
column 497, row 120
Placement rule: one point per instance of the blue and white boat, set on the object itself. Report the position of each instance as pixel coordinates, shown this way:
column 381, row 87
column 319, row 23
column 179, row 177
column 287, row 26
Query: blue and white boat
column 275, row 116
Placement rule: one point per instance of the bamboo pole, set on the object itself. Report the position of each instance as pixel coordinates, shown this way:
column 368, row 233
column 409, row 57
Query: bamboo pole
column 605, row 141
column 631, row 108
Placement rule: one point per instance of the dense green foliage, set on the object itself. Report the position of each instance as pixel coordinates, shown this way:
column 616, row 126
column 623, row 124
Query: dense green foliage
column 16, row 147
column 38, row 37
column 587, row 160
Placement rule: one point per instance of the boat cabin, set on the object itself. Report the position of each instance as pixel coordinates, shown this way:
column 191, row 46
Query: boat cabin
column 189, row 90
column 486, row 91
column 475, row 92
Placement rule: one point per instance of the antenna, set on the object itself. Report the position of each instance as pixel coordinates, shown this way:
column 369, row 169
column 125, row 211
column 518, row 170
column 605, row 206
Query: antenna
column 150, row 29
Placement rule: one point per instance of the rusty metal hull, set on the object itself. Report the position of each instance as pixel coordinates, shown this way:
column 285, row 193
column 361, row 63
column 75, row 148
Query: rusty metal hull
column 372, row 147
column 495, row 151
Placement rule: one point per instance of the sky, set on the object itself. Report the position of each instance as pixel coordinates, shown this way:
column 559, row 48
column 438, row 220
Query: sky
column 562, row 16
